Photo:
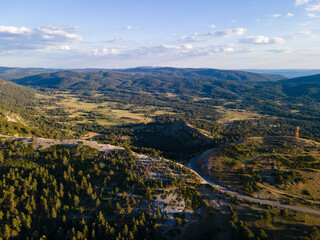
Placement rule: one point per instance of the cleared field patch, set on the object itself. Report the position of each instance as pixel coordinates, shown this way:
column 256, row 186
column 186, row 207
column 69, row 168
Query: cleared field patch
column 171, row 95
column 231, row 115
column 100, row 110
column 125, row 114
column 196, row 99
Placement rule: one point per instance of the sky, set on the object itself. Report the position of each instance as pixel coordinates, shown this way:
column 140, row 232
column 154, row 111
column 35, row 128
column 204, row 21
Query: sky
column 224, row 34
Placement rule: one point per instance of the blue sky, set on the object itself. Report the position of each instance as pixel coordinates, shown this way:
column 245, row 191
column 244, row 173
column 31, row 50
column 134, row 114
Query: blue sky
column 229, row 34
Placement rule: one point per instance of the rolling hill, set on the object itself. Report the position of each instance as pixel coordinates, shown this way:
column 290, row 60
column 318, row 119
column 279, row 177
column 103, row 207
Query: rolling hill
column 205, row 73
column 22, row 112
column 283, row 168
column 190, row 82
column 289, row 73
column 8, row 73
column 14, row 97
column 17, row 106
column 302, row 86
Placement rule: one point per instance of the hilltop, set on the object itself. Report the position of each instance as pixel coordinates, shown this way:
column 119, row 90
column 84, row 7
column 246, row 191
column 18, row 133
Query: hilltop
column 307, row 86
column 280, row 168
column 8, row 73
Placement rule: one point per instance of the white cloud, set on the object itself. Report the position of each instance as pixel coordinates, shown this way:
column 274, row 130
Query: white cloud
column 22, row 38
column 213, row 26
column 228, row 32
column 217, row 50
column 210, row 50
column 188, row 46
column 313, row 7
column 129, row 27
column 239, row 31
column 289, row 15
column 105, row 52
column 176, row 47
column 276, row 15
column 64, row 47
column 301, row 2
column 165, row 50
column 228, row 49
column 14, row 30
column 262, row 40
column 312, row 15
column 61, row 47
column 52, row 32
column 117, row 40
column 181, row 48
column 197, row 37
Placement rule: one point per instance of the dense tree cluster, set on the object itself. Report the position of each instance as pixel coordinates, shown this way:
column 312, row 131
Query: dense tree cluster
column 78, row 193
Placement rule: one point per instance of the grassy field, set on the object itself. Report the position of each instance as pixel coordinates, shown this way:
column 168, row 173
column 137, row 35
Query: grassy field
column 279, row 168
column 231, row 115
column 103, row 112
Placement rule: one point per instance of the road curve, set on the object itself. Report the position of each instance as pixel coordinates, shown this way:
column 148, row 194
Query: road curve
column 192, row 166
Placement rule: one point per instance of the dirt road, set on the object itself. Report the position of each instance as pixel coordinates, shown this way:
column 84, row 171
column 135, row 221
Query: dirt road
column 45, row 143
column 192, row 166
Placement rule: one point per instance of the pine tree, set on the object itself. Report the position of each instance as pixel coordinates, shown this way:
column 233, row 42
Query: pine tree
column 125, row 230
column 76, row 201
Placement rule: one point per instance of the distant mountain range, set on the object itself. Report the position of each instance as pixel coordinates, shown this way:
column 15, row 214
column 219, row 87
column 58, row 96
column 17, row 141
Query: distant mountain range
column 289, row 73
column 184, row 82
column 9, row 73
column 199, row 73
column 200, row 82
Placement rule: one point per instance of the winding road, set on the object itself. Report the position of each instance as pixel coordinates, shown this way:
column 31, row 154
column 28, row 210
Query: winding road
column 192, row 166
column 45, row 143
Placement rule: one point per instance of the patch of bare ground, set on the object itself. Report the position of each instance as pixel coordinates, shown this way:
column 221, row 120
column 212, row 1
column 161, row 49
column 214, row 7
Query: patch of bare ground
column 10, row 119
column 91, row 135
column 231, row 115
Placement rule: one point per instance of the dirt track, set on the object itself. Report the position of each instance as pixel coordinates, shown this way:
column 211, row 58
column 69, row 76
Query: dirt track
column 192, row 166
column 45, row 143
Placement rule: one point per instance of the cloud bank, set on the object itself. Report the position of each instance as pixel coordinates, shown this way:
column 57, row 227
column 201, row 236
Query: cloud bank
column 262, row 40
column 22, row 38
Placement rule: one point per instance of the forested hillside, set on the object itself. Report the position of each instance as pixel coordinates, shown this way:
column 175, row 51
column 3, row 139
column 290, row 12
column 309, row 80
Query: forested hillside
column 21, row 112
column 205, row 73
column 8, row 73
column 204, row 98
column 13, row 96
column 204, row 83
column 79, row 192
column 308, row 86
